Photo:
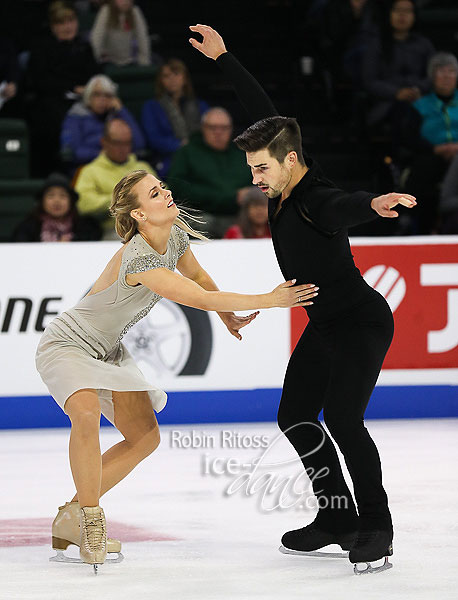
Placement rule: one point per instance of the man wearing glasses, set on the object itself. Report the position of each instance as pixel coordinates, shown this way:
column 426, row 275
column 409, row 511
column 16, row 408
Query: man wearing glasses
column 208, row 172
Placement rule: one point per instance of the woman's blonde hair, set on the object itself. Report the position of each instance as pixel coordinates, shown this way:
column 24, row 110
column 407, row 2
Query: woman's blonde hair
column 124, row 200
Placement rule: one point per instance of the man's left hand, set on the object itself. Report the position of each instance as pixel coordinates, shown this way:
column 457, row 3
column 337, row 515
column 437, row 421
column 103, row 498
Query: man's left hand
column 235, row 323
column 383, row 204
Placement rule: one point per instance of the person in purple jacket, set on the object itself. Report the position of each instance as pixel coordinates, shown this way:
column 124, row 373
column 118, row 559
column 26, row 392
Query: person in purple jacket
column 175, row 113
column 83, row 126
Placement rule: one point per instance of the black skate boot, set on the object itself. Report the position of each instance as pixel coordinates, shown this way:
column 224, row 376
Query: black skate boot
column 308, row 540
column 371, row 546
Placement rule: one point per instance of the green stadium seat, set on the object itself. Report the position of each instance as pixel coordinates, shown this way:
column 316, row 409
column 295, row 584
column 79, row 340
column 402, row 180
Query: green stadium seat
column 136, row 85
column 17, row 200
column 14, row 149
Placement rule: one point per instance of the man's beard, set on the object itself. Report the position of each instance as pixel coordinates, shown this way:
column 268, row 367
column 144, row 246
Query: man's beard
column 274, row 192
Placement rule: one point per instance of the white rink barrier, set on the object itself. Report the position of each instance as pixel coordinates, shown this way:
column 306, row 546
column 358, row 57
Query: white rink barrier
column 190, row 353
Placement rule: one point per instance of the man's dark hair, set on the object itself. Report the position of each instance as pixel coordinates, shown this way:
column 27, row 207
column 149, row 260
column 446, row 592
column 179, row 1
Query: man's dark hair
column 279, row 135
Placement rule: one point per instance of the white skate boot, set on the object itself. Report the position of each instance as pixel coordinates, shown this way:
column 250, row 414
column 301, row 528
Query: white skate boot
column 66, row 531
column 93, row 544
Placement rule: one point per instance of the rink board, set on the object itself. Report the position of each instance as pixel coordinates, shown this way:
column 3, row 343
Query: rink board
column 387, row 402
column 209, row 375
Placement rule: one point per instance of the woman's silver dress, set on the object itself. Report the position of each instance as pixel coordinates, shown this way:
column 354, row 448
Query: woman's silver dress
column 82, row 348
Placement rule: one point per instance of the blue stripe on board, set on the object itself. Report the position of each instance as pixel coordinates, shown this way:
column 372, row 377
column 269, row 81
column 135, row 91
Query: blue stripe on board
column 235, row 406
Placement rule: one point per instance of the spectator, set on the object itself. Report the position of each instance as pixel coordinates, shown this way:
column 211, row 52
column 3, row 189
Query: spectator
column 395, row 63
column 95, row 181
column 253, row 216
column 175, row 114
column 433, row 137
column 9, row 71
column 83, row 126
column 449, row 200
column 58, row 69
column 215, row 170
column 56, row 218
column 346, row 27
column 120, row 34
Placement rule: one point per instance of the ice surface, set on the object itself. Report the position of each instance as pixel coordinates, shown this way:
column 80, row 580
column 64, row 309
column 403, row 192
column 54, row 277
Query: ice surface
column 190, row 539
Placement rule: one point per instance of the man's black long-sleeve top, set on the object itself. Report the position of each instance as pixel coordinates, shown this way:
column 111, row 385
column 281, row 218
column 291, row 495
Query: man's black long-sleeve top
column 309, row 232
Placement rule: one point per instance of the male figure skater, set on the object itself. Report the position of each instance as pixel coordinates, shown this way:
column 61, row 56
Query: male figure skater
column 336, row 362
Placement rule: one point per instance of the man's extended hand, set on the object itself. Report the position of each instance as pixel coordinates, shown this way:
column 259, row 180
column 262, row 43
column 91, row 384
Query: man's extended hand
column 383, row 204
column 235, row 323
column 212, row 45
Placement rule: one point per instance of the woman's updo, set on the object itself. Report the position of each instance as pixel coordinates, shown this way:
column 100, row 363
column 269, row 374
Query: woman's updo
column 123, row 201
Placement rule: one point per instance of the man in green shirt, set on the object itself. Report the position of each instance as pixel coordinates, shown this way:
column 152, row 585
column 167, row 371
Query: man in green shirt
column 208, row 171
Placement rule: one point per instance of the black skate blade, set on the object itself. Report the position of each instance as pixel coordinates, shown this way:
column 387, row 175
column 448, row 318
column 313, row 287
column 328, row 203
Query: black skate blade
column 314, row 553
column 370, row 569
column 61, row 557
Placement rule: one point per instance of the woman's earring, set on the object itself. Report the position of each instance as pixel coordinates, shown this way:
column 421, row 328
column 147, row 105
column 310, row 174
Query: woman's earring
column 144, row 218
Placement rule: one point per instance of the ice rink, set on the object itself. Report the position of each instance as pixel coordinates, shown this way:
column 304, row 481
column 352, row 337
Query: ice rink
column 194, row 525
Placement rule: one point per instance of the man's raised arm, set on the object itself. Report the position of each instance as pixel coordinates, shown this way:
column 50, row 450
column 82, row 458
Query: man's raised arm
column 256, row 102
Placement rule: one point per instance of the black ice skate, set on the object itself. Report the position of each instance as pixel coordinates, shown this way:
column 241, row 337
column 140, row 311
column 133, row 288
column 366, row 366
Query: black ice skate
column 369, row 547
column 308, row 540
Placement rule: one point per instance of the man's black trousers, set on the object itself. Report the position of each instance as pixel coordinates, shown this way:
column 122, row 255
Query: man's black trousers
column 334, row 367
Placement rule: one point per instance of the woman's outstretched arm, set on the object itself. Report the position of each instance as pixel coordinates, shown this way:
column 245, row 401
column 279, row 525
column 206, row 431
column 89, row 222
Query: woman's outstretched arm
column 182, row 290
column 250, row 93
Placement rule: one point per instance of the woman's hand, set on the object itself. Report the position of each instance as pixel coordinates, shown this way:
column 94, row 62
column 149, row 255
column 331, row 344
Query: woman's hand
column 446, row 151
column 408, row 94
column 212, row 45
column 287, row 294
column 9, row 91
column 116, row 103
column 235, row 323
column 383, row 204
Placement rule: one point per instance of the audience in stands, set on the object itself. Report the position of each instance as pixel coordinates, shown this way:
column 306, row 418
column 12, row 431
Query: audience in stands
column 209, row 170
column 58, row 69
column 253, row 216
column 120, row 34
column 9, row 71
column 82, row 129
column 395, row 64
column 174, row 115
column 448, row 205
column 432, row 136
column 346, row 29
column 373, row 42
column 95, row 181
column 56, row 218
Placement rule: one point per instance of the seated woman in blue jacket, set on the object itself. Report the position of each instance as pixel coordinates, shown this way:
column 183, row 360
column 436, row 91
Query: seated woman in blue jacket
column 432, row 136
column 84, row 124
column 175, row 113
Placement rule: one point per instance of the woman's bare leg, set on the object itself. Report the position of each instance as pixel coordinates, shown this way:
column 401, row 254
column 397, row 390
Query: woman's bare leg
column 135, row 419
column 83, row 408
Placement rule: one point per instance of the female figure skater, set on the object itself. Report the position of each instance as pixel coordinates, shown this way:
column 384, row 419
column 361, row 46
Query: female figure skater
column 336, row 362
column 88, row 370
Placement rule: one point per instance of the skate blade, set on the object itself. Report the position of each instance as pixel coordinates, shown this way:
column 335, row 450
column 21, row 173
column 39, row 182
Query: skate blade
column 315, row 553
column 370, row 569
column 63, row 558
